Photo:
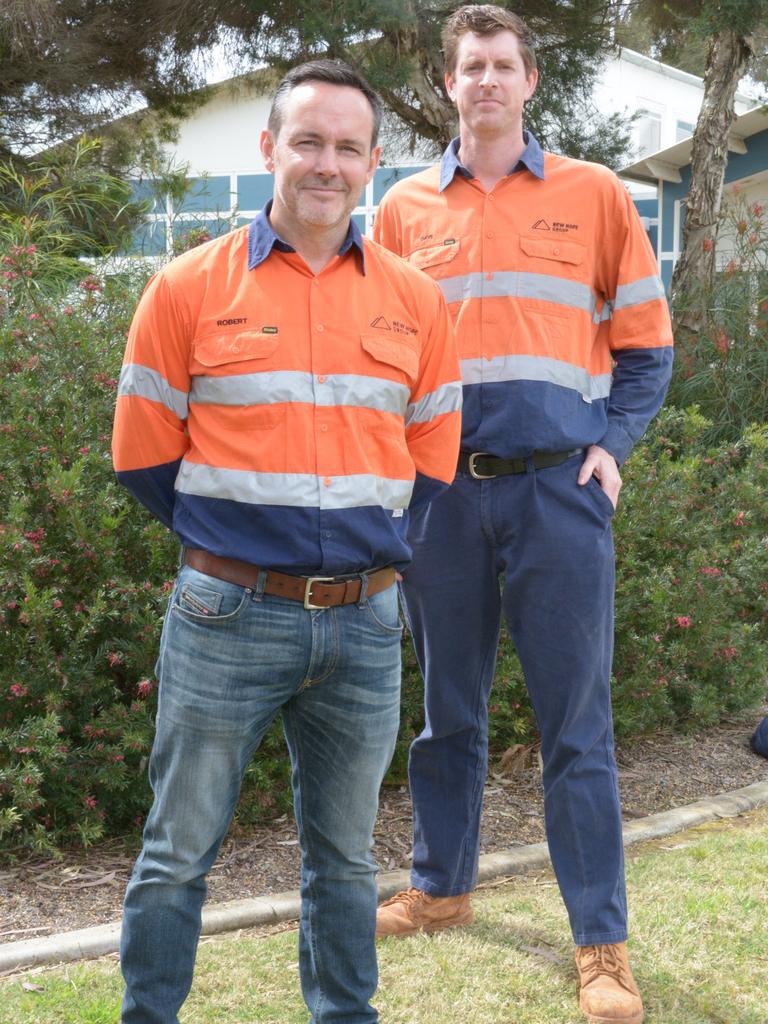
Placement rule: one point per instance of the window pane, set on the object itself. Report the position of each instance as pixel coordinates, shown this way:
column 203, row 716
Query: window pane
column 206, row 194
column 253, row 191
column 385, row 178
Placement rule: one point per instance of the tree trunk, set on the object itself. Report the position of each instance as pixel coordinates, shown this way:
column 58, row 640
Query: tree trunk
column 729, row 55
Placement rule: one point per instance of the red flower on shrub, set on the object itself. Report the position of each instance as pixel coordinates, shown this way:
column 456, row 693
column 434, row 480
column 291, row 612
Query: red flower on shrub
column 729, row 653
column 114, row 658
column 710, row 570
column 145, row 687
column 722, row 343
column 684, row 621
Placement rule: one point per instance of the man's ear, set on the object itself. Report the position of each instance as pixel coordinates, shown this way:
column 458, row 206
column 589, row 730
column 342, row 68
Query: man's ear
column 449, row 87
column 375, row 157
column 267, row 147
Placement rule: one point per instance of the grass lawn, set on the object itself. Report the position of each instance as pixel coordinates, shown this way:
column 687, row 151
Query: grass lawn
column 699, row 952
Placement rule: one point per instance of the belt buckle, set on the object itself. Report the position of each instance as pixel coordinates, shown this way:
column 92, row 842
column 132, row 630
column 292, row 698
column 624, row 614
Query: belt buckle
column 473, row 472
column 308, row 588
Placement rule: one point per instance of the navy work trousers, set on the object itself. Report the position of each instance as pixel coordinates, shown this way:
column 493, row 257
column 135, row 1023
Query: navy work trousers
column 549, row 542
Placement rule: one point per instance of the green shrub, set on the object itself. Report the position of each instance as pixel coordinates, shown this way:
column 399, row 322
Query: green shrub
column 60, row 208
column 723, row 368
column 692, row 564
column 85, row 573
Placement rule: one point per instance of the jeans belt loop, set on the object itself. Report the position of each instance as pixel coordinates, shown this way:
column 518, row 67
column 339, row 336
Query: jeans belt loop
column 258, row 590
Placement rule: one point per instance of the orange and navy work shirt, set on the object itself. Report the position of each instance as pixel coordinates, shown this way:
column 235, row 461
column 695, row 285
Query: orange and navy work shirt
column 287, row 418
column 561, row 320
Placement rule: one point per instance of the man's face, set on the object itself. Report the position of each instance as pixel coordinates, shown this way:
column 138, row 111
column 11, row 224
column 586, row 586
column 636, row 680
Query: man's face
column 322, row 157
column 489, row 84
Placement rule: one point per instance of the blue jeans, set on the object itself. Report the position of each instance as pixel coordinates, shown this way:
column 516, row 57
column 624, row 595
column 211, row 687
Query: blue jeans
column 230, row 659
column 549, row 540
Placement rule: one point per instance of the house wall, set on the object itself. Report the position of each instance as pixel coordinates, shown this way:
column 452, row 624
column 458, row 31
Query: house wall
column 666, row 99
column 746, row 180
column 229, row 184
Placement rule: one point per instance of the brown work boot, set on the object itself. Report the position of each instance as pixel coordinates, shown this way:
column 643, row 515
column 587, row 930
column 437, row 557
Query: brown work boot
column 414, row 911
column 608, row 993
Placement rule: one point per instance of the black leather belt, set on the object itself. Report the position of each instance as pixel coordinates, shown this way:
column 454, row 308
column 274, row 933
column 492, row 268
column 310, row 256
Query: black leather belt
column 313, row 591
column 483, row 466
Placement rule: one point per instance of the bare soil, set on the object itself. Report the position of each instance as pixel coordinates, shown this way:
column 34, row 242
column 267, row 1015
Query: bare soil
column 41, row 896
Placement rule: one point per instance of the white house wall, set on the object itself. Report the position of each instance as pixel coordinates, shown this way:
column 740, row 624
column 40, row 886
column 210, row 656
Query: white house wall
column 222, row 137
column 632, row 83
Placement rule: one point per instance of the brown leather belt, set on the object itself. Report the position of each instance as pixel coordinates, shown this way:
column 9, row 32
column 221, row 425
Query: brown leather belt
column 312, row 591
column 483, row 466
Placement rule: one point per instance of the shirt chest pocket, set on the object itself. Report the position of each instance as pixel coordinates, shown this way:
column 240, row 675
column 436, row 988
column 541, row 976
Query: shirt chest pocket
column 391, row 354
column 216, row 352
column 435, row 260
column 555, row 252
column 551, row 283
column 235, row 377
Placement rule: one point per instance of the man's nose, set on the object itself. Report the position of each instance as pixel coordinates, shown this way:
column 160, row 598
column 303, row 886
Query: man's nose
column 488, row 77
column 327, row 161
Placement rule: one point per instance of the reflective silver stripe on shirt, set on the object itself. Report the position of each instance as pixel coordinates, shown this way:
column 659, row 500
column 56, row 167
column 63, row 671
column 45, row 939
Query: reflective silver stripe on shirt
column 538, row 368
column 643, row 290
column 297, row 490
column 446, row 398
column 139, row 380
column 271, row 387
column 519, row 285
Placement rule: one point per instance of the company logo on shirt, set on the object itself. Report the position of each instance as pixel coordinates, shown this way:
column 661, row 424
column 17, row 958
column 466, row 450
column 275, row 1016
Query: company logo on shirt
column 397, row 326
column 556, row 225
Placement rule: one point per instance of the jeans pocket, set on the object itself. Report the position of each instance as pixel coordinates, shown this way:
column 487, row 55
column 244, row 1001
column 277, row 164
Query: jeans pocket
column 383, row 610
column 204, row 598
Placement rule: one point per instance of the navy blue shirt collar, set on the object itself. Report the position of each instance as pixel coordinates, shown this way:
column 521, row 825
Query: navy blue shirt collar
column 532, row 158
column 262, row 239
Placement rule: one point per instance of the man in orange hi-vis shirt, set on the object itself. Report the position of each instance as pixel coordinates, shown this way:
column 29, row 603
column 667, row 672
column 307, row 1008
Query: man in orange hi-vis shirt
column 288, row 392
column 565, row 347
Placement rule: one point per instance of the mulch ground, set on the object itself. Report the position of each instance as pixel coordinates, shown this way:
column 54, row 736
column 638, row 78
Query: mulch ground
column 41, row 896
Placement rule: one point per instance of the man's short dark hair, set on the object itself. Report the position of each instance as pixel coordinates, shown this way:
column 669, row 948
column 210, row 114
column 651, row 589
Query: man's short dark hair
column 333, row 72
column 485, row 20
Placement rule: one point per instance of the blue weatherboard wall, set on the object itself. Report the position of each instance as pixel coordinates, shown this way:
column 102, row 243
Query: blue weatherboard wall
column 649, row 211
column 211, row 200
column 740, row 165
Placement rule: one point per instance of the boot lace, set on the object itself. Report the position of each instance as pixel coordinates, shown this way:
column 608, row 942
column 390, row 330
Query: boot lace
column 604, row 960
column 407, row 897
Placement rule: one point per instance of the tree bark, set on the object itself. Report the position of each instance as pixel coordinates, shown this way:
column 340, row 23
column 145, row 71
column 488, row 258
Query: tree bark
column 727, row 62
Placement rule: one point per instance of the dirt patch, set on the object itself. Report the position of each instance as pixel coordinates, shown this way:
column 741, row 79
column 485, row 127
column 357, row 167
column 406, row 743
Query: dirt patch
column 42, row 896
